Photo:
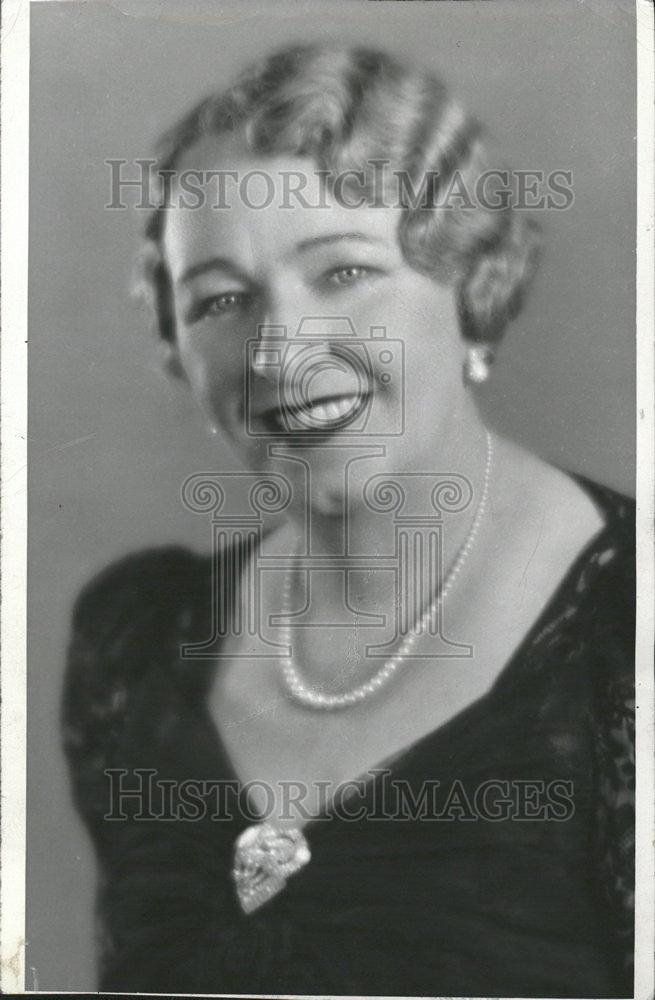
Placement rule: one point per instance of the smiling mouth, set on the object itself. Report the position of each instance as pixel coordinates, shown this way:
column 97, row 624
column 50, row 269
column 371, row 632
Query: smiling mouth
column 324, row 415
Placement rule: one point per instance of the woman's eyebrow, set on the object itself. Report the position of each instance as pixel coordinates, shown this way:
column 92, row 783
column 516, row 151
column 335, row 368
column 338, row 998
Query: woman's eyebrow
column 225, row 264
column 328, row 238
column 212, row 264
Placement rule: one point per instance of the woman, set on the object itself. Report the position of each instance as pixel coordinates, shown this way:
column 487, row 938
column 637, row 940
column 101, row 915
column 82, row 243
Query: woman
column 503, row 684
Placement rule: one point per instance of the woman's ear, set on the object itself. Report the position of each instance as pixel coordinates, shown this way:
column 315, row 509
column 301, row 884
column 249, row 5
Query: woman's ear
column 172, row 363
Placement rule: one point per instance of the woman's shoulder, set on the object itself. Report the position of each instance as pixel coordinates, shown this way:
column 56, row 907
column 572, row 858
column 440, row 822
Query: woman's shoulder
column 608, row 573
column 545, row 486
column 590, row 616
column 594, row 609
column 584, row 534
column 152, row 579
column 601, row 523
column 618, row 509
column 125, row 674
column 134, row 614
column 132, row 618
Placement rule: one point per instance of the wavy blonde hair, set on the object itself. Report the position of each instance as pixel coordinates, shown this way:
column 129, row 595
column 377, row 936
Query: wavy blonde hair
column 346, row 108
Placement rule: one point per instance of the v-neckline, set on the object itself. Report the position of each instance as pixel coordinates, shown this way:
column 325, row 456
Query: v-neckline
column 393, row 766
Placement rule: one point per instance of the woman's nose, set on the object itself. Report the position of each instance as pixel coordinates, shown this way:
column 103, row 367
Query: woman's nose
column 277, row 330
column 267, row 349
column 282, row 314
column 290, row 308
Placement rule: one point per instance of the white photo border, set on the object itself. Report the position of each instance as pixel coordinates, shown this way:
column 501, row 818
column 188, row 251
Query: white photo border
column 13, row 402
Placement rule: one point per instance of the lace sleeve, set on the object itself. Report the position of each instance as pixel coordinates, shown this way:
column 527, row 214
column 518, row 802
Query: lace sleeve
column 615, row 743
column 126, row 628
column 166, row 917
column 616, row 812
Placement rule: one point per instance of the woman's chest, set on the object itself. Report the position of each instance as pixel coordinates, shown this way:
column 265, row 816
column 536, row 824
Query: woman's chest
column 296, row 761
column 286, row 748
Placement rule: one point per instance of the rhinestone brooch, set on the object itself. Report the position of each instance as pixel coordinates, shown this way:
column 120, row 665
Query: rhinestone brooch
column 264, row 858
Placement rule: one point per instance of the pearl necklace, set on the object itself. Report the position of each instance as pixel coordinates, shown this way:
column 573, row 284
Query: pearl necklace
column 326, row 702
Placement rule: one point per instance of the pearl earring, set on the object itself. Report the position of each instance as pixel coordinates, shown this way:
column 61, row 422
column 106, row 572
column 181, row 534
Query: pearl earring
column 477, row 367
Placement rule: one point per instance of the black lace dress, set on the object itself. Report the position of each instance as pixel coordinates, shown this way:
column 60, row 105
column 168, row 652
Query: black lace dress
column 467, row 905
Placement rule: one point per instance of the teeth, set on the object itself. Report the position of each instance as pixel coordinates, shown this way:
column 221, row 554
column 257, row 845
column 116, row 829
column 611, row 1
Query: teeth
column 322, row 413
column 333, row 410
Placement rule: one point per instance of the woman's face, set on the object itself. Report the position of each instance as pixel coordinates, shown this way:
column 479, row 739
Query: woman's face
column 262, row 300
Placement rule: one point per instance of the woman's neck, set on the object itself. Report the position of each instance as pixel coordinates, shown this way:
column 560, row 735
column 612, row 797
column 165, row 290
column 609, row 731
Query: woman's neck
column 358, row 522
column 434, row 505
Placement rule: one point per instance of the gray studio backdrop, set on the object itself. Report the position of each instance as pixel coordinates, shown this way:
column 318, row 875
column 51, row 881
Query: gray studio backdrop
column 110, row 441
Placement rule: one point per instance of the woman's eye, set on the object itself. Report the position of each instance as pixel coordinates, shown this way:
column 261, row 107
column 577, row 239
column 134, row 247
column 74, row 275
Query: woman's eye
column 348, row 275
column 225, row 302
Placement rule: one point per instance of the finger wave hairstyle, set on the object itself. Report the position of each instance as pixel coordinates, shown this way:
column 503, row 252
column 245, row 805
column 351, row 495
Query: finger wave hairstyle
column 346, row 108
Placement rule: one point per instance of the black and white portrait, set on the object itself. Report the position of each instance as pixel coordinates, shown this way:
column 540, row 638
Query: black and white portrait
column 331, row 564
